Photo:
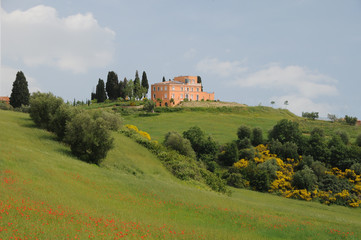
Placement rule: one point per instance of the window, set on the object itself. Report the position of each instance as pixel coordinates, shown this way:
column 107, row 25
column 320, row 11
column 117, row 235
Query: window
column 181, row 88
column 165, row 88
column 158, row 88
column 153, row 88
column 173, row 95
column 187, row 89
column 187, row 95
column 197, row 97
column 165, row 96
column 161, row 88
column 192, row 89
column 153, row 96
column 197, row 89
column 173, row 88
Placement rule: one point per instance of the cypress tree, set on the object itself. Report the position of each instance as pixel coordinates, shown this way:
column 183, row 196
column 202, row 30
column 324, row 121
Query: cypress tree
column 123, row 90
column 100, row 93
column 163, row 80
column 112, row 86
column 145, row 83
column 137, row 90
column 20, row 93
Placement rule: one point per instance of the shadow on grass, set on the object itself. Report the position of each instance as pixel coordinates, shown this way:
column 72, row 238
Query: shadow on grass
column 28, row 122
column 148, row 114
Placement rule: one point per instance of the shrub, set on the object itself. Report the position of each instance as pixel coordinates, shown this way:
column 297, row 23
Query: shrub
column 257, row 136
column 5, row 106
column 357, row 168
column 60, row 118
column 358, row 140
column 201, row 143
column 344, row 136
column 244, row 143
column 244, row 132
column 149, row 106
column 248, row 153
column 229, row 154
column 112, row 121
column 43, row 107
column 289, row 150
column 182, row 145
column 270, row 167
column 89, row 138
column 331, row 182
column 286, row 131
column 312, row 115
column 236, row 180
column 304, row 179
column 350, row 120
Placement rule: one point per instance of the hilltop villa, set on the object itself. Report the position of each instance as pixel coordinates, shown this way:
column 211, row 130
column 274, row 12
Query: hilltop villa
column 171, row 93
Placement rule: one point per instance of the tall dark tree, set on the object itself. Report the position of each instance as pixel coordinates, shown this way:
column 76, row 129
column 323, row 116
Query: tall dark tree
column 137, row 89
column 199, row 80
column 112, row 86
column 145, row 84
column 100, row 93
column 20, row 93
column 163, row 80
column 123, row 88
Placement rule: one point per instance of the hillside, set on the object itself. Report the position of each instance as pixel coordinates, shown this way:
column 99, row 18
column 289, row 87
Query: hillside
column 46, row 193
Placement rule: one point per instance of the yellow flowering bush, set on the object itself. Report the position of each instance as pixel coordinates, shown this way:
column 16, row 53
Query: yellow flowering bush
column 243, row 163
column 145, row 134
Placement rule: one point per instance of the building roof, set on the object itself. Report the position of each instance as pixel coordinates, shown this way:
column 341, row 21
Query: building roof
column 5, row 99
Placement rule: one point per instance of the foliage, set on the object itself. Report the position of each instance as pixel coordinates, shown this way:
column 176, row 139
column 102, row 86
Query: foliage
column 337, row 150
column 20, row 93
column 137, row 92
column 100, row 93
column 229, row 154
column 58, row 121
column 344, row 136
column 145, row 84
column 43, row 107
column 304, row 179
column 311, row 115
column 88, row 137
column 317, row 146
column 257, row 136
column 149, row 106
column 111, row 120
column 112, row 86
column 201, row 143
column 286, row 131
column 129, row 89
column 332, row 117
column 358, row 140
column 182, row 145
column 244, row 132
column 350, row 120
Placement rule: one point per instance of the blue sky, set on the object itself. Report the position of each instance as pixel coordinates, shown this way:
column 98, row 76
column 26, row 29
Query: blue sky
column 253, row 52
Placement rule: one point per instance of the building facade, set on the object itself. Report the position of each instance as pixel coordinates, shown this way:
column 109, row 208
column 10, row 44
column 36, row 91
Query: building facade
column 171, row 93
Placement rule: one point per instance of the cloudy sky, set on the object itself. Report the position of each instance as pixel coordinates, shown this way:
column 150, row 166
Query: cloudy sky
column 305, row 52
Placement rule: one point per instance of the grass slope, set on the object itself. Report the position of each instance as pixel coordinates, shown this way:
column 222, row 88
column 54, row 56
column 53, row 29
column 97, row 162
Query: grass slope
column 222, row 123
column 46, row 193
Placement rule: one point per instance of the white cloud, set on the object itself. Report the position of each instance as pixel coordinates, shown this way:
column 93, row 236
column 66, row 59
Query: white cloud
column 291, row 79
column 216, row 67
column 38, row 36
column 8, row 76
column 190, row 53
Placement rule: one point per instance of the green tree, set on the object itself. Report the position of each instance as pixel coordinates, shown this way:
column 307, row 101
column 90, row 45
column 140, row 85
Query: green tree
column 20, row 93
column 304, row 179
column 89, row 138
column 182, row 145
column 350, row 120
column 61, row 117
column 273, row 103
column 338, row 151
column 229, row 154
column 312, row 115
column 163, row 80
column 149, row 106
column 286, row 131
column 317, row 146
column 43, row 106
column 244, row 132
column 201, row 143
column 137, row 88
column 199, row 80
column 100, row 93
column 344, row 136
column 123, row 88
column 129, row 89
column 112, row 86
column 257, row 136
column 145, row 84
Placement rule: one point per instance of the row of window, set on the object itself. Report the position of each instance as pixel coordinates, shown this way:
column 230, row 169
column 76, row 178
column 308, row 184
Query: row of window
column 181, row 96
column 173, row 89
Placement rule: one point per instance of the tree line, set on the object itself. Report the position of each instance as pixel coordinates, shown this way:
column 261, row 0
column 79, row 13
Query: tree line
column 114, row 89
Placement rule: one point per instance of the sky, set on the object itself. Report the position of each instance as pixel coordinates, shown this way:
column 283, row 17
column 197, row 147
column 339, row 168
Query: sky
column 306, row 52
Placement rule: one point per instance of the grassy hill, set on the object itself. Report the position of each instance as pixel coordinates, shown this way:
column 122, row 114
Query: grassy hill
column 46, row 193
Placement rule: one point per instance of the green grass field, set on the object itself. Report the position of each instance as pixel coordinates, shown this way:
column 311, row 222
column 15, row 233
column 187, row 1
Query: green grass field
column 46, row 193
column 222, row 124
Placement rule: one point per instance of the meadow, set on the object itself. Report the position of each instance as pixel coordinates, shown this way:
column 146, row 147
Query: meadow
column 46, row 193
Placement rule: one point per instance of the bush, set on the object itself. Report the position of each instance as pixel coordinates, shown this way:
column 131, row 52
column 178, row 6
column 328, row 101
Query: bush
column 286, row 131
column 304, row 179
column 149, row 106
column 350, row 120
column 89, row 138
column 176, row 142
column 112, row 121
column 358, row 140
column 257, row 136
column 244, row 143
column 270, row 166
column 344, row 136
column 43, row 107
column 229, row 154
column 248, row 153
column 244, row 132
column 331, row 182
column 357, row 168
column 60, row 118
column 5, row 106
column 312, row 115
column 201, row 143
